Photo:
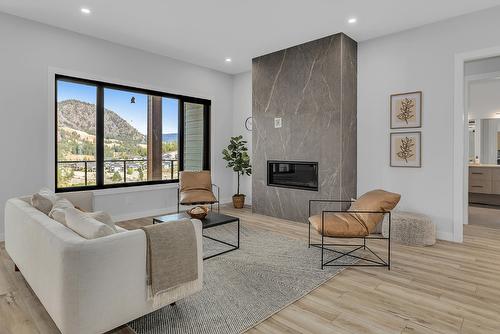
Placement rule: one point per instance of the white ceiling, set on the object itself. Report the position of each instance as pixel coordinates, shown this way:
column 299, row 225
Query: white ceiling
column 205, row 32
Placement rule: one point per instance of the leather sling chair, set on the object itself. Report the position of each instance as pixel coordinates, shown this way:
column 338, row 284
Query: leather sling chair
column 195, row 188
column 359, row 221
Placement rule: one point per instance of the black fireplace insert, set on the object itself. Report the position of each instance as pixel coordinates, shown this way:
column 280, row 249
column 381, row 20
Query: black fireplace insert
column 293, row 174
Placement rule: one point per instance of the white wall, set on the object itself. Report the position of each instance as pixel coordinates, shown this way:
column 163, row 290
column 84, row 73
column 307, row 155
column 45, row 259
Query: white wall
column 418, row 59
column 483, row 98
column 242, row 109
column 482, row 66
column 30, row 51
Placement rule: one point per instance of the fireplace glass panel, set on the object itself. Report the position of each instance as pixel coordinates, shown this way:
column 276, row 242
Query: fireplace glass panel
column 293, row 174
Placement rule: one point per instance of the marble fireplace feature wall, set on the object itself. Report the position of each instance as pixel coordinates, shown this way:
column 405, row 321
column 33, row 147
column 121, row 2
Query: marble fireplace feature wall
column 312, row 88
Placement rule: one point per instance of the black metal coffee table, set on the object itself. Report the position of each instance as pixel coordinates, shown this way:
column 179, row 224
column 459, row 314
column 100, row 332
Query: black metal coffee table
column 213, row 219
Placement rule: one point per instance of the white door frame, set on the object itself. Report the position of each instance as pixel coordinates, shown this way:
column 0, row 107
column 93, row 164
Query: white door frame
column 460, row 142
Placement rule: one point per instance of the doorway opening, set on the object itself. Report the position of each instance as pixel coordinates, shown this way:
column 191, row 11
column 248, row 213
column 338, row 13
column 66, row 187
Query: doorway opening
column 461, row 130
column 482, row 106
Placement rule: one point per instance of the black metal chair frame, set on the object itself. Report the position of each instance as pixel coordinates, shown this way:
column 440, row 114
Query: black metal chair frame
column 200, row 203
column 325, row 246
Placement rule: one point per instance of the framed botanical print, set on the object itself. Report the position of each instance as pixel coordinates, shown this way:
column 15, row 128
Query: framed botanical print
column 406, row 149
column 406, row 110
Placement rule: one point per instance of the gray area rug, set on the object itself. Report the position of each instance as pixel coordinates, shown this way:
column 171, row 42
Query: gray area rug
column 243, row 287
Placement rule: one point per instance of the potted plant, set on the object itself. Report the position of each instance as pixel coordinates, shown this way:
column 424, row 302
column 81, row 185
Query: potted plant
column 238, row 159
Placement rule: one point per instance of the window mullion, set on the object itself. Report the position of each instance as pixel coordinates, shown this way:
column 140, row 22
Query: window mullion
column 180, row 144
column 154, row 138
column 206, row 137
column 100, row 136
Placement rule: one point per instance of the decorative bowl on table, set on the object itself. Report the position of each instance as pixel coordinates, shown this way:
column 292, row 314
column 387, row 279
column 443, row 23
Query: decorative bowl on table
column 198, row 212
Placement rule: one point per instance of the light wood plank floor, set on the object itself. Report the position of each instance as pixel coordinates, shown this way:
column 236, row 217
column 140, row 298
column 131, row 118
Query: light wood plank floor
column 447, row 288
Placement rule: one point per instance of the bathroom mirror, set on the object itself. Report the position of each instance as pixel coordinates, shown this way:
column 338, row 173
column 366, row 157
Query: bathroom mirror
column 484, row 141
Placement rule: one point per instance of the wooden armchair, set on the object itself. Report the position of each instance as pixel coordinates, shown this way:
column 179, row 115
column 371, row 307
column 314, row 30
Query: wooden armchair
column 196, row 188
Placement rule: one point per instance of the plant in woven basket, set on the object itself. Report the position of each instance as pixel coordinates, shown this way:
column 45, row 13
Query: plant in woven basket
column 236, row 155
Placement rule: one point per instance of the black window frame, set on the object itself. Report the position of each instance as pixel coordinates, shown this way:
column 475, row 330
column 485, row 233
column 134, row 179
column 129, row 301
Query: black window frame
column 100, row 86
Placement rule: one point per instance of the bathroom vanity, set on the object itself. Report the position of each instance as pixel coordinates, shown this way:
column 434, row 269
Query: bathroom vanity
column 484, row 184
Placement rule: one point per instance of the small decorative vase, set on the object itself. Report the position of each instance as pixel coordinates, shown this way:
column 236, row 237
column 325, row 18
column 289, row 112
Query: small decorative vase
column 238, row 201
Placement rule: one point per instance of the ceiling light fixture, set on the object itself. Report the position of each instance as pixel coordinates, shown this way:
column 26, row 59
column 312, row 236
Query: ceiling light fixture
column 228, row 60
column 85, row 11
column 352, row 20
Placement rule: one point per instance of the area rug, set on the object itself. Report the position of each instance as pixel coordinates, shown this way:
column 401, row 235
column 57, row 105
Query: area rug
column 243, row 287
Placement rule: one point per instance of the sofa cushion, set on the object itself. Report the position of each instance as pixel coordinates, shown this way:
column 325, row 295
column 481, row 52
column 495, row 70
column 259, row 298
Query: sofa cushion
column 375, row 200
column 44, row 200
column 86, row 226
column 339, row 225
column 58, row 211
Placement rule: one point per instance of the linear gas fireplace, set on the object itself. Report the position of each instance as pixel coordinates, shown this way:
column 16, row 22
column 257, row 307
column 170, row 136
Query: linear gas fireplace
column 293, row 174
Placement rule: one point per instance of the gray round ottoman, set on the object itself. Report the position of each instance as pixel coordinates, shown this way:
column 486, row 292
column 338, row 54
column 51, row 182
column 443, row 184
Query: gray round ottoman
column 410, row 228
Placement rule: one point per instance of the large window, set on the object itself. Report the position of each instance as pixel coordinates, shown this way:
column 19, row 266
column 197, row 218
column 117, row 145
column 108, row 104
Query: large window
column 113, row 136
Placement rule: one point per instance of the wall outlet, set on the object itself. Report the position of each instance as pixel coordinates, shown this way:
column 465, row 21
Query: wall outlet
column 277, row 122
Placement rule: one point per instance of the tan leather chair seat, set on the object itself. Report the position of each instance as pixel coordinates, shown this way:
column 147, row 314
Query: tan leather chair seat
column 197, row 196
column 339, row 225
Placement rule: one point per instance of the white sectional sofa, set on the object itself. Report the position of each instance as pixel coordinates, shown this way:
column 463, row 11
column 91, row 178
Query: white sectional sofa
column 87, row 286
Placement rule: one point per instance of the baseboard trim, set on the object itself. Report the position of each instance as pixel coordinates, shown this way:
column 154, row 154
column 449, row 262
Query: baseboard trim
column 447, row 236
column 2, row 237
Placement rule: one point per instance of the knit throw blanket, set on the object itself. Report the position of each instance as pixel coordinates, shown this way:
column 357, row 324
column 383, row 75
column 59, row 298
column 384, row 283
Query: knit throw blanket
column 172, row 257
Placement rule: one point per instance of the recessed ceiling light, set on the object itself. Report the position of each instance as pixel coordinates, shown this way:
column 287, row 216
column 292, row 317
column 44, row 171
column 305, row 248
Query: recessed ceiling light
column 228, row 60
column 85, row 10
column 352, row 20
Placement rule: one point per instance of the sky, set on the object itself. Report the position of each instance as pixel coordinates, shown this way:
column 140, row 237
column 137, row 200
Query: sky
column 119, row 102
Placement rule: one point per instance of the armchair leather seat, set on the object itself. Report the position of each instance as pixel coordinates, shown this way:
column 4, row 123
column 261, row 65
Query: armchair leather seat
column 339, row 225
column 197, row 196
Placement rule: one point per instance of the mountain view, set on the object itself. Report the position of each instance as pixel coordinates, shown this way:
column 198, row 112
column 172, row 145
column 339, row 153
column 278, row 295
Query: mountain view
column 125, row 148
column 78, row 115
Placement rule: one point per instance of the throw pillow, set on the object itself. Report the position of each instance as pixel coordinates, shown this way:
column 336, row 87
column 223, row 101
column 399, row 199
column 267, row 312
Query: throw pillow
column 103, row 217
column 375, row 200
column 86, row 226
column 58, row 212
column 44, row 200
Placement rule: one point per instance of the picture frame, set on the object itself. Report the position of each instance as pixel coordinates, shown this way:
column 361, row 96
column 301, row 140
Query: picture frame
column 406, row 149
column 406, row 110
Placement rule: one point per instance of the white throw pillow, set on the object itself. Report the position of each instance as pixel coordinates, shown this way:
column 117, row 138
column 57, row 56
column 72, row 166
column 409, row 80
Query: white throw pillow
column 58, row 212
column 44, row 200
column 86, row 226
column 103, row 217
